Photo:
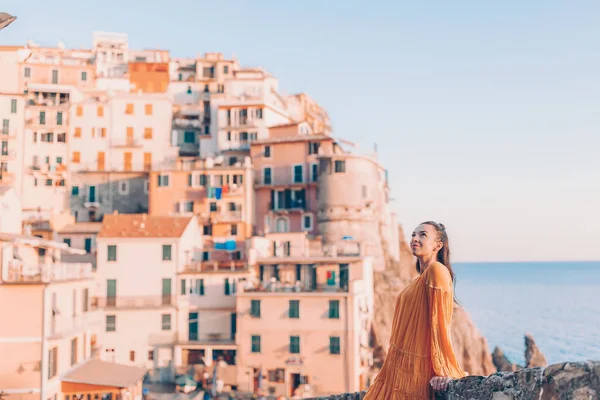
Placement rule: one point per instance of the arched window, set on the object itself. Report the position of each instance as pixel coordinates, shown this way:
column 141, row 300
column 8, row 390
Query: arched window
column 282, row 225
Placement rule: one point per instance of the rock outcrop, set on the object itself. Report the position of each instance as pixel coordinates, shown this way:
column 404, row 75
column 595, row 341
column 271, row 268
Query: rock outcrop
column 533, row 355
column 470, row 346
column 572, row 381
column 501, row 362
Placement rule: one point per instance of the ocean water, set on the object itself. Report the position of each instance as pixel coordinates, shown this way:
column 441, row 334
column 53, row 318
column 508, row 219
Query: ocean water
column 557, row 302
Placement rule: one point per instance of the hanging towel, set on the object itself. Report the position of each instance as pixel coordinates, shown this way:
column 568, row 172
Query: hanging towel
column 230, row 245
column 218, row 193
column 225, row 189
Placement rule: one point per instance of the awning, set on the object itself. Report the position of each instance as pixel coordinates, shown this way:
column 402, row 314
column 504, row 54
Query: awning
column 38, row 242
column 102, row 373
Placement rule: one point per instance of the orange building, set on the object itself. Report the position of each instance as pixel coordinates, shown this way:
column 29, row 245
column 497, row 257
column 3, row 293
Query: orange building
column 149, row 77
column 219, row 193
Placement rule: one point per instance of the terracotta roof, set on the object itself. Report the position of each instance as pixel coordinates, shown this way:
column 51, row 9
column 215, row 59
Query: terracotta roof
column 102, row 373
column 142, row 225
column 82, row 227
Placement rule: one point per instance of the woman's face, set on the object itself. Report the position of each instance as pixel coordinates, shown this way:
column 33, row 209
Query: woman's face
column 425, row 241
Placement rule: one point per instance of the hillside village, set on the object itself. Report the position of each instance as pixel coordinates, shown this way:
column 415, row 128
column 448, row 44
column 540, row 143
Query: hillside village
column 180, row 217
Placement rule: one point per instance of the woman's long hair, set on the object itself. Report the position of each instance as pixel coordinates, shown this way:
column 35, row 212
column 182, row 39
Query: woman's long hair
column 443, row 256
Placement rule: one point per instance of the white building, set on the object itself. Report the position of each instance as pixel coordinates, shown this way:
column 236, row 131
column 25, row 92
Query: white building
column 138, row 260
column 12, row 114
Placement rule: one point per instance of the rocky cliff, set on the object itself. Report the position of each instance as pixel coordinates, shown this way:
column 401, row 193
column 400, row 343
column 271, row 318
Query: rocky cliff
column 566, row 381
column 471, row 348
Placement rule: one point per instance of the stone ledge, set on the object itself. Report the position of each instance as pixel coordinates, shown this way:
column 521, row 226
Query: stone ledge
column 574, row 381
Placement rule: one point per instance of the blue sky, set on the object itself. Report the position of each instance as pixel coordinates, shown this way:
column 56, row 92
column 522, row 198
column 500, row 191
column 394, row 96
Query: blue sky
column 487, row 114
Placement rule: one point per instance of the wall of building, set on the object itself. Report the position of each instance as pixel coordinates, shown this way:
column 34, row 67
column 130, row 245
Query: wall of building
column 12, row 140
column 110, row 195
column 10, row 57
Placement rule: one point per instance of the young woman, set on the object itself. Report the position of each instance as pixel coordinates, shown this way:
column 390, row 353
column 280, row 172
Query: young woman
column 420, row 359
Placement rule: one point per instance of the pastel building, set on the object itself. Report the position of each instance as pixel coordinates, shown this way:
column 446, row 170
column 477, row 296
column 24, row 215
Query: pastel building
column 304, row 318
column 138, row 258
column 51, row 333
column 218, row 192
column 12, row 114
column 286, row 178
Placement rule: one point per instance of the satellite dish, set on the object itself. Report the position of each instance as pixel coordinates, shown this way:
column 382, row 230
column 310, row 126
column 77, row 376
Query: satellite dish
column 6, row 20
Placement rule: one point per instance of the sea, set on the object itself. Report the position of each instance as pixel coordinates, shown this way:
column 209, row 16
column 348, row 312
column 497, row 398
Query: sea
column 556, row 302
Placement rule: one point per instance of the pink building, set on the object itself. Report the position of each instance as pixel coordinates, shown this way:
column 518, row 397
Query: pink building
column 286, row 174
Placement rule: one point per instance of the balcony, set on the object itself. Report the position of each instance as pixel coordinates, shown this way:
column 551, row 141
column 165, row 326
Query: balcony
column 62, row 326
column 128, row 302
column 214, row 266
column 8, row 134
column 21, row 272
column 189, row 122
column 126, row 143
column 226, row 216
column 6, row 177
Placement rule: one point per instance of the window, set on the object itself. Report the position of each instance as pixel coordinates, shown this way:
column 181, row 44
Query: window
column 205, row 256
column 199, row 287
column 314, row 172
column 267, row 176
column 75, row 191
column 255, row 343
column 267, row 151
column 188, row 207
column 150, row 355
column 255, row 308
column 189, row 137
column 59, row 118
column 298, row 174
column 123, row 187
column 340, row 166
column 166, row 322
column 61, row 138
column 111, row 323
column 132, row 356
column 85, row 300
column 103, row 132
column 213, row 206
column 189, row 89
column 234, row 230
column 13, row 106
column 112, row 252
column 294, row 311
column 364, row 191
column 207, row 130
column 227, row 287
column 27, row 72
column 220, row 88
column 147, row 133
column 334, row 345
column 100, row 111
column 307, row 222
column 259, row 113
column 313, row 148
column 183, row 287
column 76, row 157
column 129, row 109
column 5, row 126
column 190, row 180
column 334, row 309
column 202, row 179
column 148, row 109
column 80, row 111
column 42, row 117
column 52, row 362
column 49, row 182
column 74, row 351
column 277, row 375
column 84, row 76
column 295, row 344
column 163, row 180
column 77, row 132
column 225, row 69
column 166, row 252
column 59, row 160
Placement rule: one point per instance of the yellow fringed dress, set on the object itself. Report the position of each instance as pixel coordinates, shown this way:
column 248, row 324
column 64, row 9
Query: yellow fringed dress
column 420, row 346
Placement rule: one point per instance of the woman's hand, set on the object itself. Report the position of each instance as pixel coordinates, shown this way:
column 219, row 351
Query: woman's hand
column 440, row 383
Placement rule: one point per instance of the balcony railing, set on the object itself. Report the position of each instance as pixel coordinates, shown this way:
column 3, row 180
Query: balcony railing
column 187, row 123
column 129, row 142
column 63, row 325
column 214, row 266
column 133, row 301
column 226, row 216
column 21, row 272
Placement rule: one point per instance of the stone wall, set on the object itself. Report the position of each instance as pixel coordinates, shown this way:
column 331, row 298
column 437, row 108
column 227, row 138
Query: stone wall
column 572, row 381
